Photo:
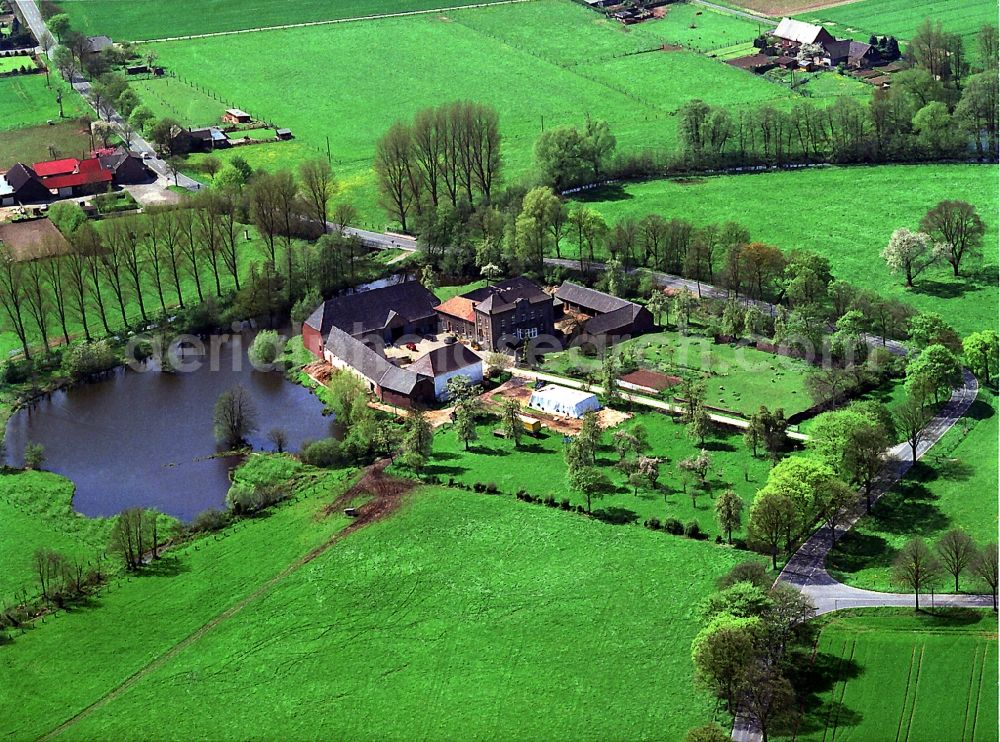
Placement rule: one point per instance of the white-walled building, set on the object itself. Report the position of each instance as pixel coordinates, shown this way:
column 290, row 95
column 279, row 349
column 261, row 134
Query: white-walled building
column 561, row 400
column 441, row 364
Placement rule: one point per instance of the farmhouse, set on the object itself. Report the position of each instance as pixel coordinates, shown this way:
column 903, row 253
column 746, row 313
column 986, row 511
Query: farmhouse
column 391, row 384
column 501, row 315
column 852, row 53
column 126, row 168
column 97, row 44
column 561, row 400
column 236, row 116
column 441, row 364
column 207, row 139
column 610, row 316
column 791, row 33
column 388, row 313
column 21, row 185
column 72, row 177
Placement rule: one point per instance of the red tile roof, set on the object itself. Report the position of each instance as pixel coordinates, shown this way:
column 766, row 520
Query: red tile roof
column 56, row 167
column 651, row 379
column 88, row 173
column 458, row 306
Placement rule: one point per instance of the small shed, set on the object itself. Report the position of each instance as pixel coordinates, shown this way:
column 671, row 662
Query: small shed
column 236, row 116
column 561, row 400
column 531, row 425
column 283, row 134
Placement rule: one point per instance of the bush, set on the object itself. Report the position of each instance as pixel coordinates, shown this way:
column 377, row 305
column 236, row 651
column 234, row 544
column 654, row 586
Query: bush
column 34, row 456
column 265, row 348
column 564, row 503
column 673, row 526
column 209, row 520
column 325, row 453
column 752, row 572
column 89, row 358
column 653, row 524
column 693, row 530
column 491, row 488
column 17, row 372
column 550, row 501
column 244, row 498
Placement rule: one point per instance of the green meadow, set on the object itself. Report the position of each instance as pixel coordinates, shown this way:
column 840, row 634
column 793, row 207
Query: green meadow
column 152, row 19
column 25, row 100
column 890, row 674
column 541, row 64
column 461, row 616
column 537, row 466
column 955, row 485
column 36, row 509
column 847, row 214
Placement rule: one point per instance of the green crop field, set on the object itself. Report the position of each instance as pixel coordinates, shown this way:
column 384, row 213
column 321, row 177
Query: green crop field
column 846, row 214
column 25, row 101
column 737, row 379
column 538, row 468
column 955, row 485
column 901, row 18
column 889, row 674
column 541, row 64
column 152, row 19
column 461, row 616
column 36, row 509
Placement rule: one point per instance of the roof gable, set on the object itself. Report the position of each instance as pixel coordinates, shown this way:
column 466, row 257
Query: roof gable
column 444, row 360
column 56, row 167
column 799, row 31
column 375, row 310
column 596, row 301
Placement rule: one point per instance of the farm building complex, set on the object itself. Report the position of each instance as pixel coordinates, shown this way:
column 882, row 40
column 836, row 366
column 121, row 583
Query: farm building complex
column 500, row 316
column 604, row 315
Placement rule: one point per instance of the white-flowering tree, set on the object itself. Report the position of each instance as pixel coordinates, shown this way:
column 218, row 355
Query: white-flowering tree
column 910, row 253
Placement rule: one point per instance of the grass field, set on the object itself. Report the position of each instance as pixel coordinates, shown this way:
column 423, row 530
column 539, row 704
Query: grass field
column 955, row 485
column 136, row 619
column 738, row 379
column 38, row 143
column 26, row 101
column 538, row 468
column 847, row 214
column 901, row 18
column 541, row 64
column 462, row 616
column 893, row 675
column 36, row 509
column 167, row 97
column 15, row 63
column 151, row 19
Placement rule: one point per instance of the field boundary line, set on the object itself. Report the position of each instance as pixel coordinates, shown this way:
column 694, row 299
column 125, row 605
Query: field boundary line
column 906, row 693
column 968, row 696
column 843, row 693
column 331, row 21
column 979, row 692
column 916, row 692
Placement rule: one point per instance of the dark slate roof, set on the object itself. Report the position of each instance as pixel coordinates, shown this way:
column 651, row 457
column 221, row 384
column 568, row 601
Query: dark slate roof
column 375, row 310
column 858, row 49
column 595, row 301
column 500, row 297
column 444, row 360
column 617, row 320
column 98, row 43
column 20, row 174
column 369, row 363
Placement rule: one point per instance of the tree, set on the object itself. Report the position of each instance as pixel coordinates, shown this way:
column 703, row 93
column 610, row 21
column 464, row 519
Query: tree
column 916, row 568
column 980, row 350
column 318, row 187
column 769, row 698
column 957, row 225
column 265, row 349
column 729, row 513
column 34, row 456
column 912, row 417
column 657, row 304
column 589, row 481
column 418, row 438
column 598, row 145
column 465, row 424
column 610, row 373
column 394, row 168
column 977, row 111
column 60, row 24
column 985, row 568
column 956, row 551
column 936, row 369
column 140, row 118
column 589, row 437
column 987, row 44
column 235, row 417
column 211, row 165
column 722, row 653
column 561, row 154
column 937, row 134
column 937, row 51
column 911, row 253
column 510, row 420
column 700, row 425
column 772, row 518
column 278, row 438
column 929, row 328
column 13, row 295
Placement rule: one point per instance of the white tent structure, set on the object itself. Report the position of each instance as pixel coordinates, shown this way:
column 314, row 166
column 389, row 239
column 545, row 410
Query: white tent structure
column 561, row 400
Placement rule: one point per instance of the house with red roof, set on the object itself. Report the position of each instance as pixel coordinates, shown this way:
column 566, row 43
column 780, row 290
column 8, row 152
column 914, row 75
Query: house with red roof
column 72, row 177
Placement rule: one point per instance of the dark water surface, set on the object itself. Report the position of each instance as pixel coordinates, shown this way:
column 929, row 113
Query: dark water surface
column 144, row 438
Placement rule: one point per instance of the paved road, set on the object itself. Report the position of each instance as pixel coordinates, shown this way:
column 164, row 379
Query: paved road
column 639, row 399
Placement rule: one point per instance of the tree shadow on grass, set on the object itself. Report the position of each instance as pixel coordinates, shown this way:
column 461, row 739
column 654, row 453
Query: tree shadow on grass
column 719, row 446
column 616, row 515
column 169, row 565
column 910, row 510
column 814, row 682
column 857, row 551
column 952, row 288
column 614, row 192
column 445, row 471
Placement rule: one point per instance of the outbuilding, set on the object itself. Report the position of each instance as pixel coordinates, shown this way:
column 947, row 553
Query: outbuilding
column 236, row 116
column 441, row 364
column 561, row 400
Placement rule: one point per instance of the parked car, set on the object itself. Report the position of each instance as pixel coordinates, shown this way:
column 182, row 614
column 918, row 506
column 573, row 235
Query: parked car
column 450, row 340
column 412, row 347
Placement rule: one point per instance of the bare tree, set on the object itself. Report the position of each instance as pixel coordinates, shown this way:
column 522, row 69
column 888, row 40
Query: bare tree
column 956, row 551
column 916, row 568
column 394, row 167
column 78, row 288
column 112, row 262
column 38, row 297
column 12, row 295
column 318, row 187
column 235, row 416
column 57, row 276
column 985, row 568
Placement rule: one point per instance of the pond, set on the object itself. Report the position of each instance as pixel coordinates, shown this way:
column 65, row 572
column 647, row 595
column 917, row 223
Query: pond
column 145, row 438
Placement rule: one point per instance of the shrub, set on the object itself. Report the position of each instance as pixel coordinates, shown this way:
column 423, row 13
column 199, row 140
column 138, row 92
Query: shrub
column 265, row 348
column 89, row 358
column 325, row 453
column 674, row 526
column 209, row 520
column 478, row 487
column 752, row 572
column 581, row 509
column 740, row 543
column 244, row 498
column 17, row 372
column 653, row 524
column 693, row 530
column 550, row 501
column 564, row 503
column 491, row 488
column 34, row 456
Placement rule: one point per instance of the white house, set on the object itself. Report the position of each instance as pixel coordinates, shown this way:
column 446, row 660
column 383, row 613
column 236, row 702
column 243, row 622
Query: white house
column 561, row 400
column 441, row 364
